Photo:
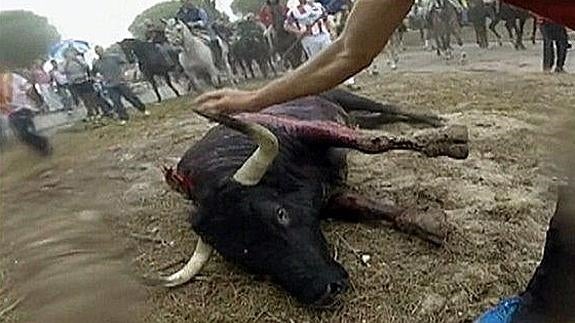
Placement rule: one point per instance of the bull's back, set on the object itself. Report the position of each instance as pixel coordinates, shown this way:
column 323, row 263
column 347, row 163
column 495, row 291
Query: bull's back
column 223, row 151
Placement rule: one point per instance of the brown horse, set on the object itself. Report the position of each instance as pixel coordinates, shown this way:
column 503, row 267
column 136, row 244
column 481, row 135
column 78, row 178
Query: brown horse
column 514, row 18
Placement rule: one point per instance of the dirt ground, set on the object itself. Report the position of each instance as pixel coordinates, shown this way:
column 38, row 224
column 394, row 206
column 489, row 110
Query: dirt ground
column 104, row 182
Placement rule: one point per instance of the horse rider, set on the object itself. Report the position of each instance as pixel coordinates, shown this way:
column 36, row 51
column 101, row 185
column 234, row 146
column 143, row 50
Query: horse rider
column 81, row 84
column 368, row 29
column 110, row 67
column 197, row 19
column 155, row 34
column 265, row 14
column 495, row 5
column 309, row 22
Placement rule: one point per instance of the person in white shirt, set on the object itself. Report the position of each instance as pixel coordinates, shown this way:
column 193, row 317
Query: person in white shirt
column 309, row 20
column 59, row 80
column 17, row 105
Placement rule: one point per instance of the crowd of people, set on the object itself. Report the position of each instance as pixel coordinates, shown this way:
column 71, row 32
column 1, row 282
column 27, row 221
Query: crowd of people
column 100, row 89
column 71, row 83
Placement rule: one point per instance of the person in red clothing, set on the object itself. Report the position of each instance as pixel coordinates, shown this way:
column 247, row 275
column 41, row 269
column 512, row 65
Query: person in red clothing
column 368, row 29
column 265, row 14
column 555, row 45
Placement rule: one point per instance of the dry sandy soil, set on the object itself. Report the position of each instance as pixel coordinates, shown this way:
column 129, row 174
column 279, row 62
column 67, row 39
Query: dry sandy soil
column 74, row 223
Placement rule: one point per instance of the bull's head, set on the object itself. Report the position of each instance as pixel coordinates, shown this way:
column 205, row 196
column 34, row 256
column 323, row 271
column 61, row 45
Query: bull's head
column 267, row 231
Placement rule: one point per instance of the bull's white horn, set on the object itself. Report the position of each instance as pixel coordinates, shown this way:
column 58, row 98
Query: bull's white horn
column 254, row 169
column 199, row 259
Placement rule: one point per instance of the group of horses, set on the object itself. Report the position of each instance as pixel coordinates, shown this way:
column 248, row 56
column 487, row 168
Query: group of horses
column 440, row 20
column 232, row 54
column 245, row 44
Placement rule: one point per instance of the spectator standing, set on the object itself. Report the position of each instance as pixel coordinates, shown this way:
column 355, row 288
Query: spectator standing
column 110, row 67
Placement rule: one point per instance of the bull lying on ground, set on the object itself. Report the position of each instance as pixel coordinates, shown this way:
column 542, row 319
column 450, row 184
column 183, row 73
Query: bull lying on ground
column 262, row 209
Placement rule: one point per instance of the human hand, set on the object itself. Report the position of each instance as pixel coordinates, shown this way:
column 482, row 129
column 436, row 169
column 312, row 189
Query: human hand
column 227, row 101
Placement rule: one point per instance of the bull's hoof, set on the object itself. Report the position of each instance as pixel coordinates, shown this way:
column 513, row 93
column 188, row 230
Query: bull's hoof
column 451, row 141
column 431, row 226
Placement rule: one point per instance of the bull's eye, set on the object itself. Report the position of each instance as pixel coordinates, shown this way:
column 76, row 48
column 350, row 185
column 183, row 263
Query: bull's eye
column 283, row 217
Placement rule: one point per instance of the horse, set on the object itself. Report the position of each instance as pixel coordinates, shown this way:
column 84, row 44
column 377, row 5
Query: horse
column 444, row 20
column 478, row 13
column 197, row 58
column 150, row 61
column 515, row 19
column 250, row 45
column 417, row 20
column 286, row 44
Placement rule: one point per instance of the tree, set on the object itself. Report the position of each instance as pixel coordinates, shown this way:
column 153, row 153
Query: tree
column 166, row 10
column 246, row 6
column 24, row 37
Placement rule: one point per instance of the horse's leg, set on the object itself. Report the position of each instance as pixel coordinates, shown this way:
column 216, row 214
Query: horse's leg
column 483, row 33
column 227, row 65
column 169, row 82
column 262, row 63
column 492, row 27
column 534, row 31
column 510, row 25
column 272, row 65
column 520, row 33
column 250, row 65
column 152, row 81
column 438, row 43
column 456, row 30
column 422, row 36
column 193, row 84
column 243, row 67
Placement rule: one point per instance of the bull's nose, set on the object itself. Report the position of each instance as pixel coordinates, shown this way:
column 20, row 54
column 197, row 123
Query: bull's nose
column 331, row 291
column 336, row 288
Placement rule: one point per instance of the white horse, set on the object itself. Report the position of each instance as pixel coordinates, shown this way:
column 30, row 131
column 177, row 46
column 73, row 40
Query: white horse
column 196, row 57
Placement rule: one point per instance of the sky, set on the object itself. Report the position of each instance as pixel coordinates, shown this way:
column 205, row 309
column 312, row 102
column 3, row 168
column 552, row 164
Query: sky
column 101, row 22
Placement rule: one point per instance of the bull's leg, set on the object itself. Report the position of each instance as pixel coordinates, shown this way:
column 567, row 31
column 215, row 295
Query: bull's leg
column 348, row 206
column 451, row 141
column 381, row 113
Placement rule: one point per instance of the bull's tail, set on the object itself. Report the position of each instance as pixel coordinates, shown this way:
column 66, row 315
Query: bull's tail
column 370, row 114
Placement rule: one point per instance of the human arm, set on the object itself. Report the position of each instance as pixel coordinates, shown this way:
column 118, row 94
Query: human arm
column 369, row 27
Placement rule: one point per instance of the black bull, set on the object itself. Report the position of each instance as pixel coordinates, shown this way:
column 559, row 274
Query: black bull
column 263, row 212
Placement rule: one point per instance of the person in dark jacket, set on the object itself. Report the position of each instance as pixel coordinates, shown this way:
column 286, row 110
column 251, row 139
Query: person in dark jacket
column 555, row 45
column 110, row 68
